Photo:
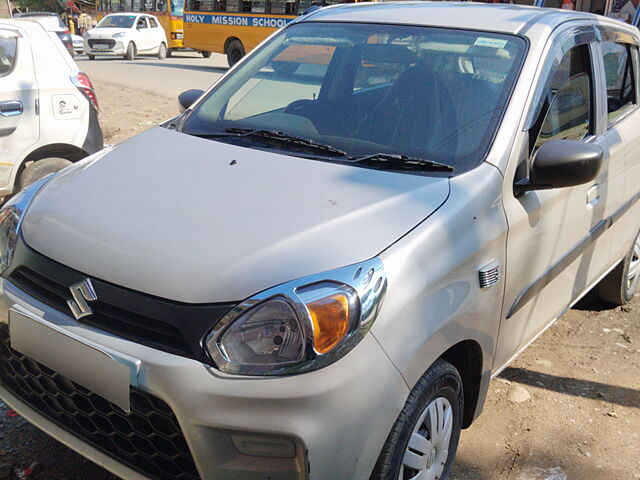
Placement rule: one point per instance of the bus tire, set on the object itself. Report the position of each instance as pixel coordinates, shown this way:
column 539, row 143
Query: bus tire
column 131, row 52
column 169, row 52
column 91, row 57
column 162, row 51
column 205, row 54
column 235, row 51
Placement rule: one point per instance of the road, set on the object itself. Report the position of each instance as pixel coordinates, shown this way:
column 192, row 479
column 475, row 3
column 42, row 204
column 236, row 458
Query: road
column 168, row 77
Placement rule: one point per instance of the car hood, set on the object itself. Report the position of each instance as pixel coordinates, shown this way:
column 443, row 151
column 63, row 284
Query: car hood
column 106, row 32
column 201, row 221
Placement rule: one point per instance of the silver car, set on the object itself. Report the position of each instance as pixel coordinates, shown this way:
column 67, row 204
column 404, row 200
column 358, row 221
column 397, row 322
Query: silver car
column 315, row 270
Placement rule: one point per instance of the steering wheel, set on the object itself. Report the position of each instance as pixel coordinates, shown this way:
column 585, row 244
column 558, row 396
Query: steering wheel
column 320, row 115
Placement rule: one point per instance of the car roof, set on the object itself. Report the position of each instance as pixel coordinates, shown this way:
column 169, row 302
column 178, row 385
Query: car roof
column 35, row 14
column 125, row 14
column 505, row 18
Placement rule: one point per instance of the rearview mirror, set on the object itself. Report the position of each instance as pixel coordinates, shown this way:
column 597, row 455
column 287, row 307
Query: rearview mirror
column 562, row 163
column 188, row 98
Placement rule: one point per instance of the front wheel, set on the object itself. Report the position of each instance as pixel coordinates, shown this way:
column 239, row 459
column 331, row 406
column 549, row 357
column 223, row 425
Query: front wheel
column 621, row 284
column 91, row 57
column 162, row 51
column 205, row 54
column 235, row 51
column 424, row 439
column 131, row 52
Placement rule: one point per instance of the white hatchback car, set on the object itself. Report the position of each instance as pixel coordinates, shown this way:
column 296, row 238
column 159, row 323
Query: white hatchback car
column 41, row 86
column 126, row 34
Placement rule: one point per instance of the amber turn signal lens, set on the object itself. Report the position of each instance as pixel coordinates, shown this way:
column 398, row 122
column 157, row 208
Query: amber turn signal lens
column 330, row 316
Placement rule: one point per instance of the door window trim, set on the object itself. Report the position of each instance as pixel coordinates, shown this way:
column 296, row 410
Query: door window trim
column 567, row 38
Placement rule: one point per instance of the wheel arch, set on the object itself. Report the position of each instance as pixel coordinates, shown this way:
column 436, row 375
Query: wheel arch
column 60, row 150
column 467, row 357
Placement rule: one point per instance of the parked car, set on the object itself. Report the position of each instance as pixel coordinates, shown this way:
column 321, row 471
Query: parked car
column 52, row 23
column 48, row 108
column 78, row 43
column 372, row 214
column 128, row 35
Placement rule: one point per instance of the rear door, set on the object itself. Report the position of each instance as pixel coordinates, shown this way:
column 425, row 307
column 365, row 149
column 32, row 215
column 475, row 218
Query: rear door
column 618, row 53
column 19, row 121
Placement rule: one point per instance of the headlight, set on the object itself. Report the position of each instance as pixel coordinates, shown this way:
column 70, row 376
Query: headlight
column 10, row 218
column 301, row 325
column 119, row 35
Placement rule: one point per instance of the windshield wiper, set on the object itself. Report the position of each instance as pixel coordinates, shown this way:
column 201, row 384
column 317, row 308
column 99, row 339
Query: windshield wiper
column 401, row 162
column 274, row 135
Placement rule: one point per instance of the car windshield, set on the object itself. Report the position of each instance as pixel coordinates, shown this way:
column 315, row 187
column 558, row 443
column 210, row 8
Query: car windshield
column 429, row 93
column 117, row 21
column 177, row 7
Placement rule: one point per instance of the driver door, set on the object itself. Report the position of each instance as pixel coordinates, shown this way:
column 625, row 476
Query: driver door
column 557, row 245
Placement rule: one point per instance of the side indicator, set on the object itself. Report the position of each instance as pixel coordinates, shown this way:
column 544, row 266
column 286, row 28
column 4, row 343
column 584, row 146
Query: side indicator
column 489, row 275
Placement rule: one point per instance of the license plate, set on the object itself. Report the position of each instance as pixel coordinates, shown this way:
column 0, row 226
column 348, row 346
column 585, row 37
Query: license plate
column 79, row 362
column 100, row 46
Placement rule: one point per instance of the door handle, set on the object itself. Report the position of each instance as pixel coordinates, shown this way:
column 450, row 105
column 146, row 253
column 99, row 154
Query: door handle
column 11, row 108
column 593, row 195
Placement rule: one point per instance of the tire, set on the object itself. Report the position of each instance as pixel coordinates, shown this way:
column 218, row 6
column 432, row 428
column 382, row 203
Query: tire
column 206, row 54
column 170, row 53
column 439, row 387
column 91, row 57
column 131, row 52
column 162, row 51
column 235, row 51
column 621, row 284
column 40, row 169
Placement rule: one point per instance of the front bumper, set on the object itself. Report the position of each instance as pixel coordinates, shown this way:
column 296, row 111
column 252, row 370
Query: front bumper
column 117, row 49
column 336, row 418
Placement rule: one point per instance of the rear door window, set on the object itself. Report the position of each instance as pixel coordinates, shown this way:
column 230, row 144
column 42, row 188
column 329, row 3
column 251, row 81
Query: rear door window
column 8, row 49
column 620, row 78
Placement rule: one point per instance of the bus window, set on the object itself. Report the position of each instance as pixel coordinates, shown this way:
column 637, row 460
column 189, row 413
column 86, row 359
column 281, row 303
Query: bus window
column 258, row 6
column 278, row 6
column 233, row 6
column 177, row 7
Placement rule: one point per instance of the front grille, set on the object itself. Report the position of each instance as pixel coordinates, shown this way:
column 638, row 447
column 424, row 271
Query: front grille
column 92, row 42
column 105, row 316
column 148, row 439
column 174, row 327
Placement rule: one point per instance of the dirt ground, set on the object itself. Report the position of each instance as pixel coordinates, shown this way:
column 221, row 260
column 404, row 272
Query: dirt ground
column 567, row 409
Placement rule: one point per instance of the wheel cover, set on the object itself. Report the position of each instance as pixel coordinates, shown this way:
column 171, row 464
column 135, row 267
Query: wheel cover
column 428, row 448
column 634, row 267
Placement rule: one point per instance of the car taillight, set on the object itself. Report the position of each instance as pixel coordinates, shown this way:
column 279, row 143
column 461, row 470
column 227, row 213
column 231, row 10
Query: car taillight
column 81, row 80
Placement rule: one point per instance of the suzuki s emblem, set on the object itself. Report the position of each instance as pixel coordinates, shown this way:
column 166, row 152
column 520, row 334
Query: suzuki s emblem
column 82, row 293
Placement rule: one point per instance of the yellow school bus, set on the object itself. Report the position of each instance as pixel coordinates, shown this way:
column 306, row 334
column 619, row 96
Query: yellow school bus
column 234, row 27
column 168, row 12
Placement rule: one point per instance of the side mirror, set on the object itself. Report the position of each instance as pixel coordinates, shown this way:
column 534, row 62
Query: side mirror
column 562, row 163
column 188, row 98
